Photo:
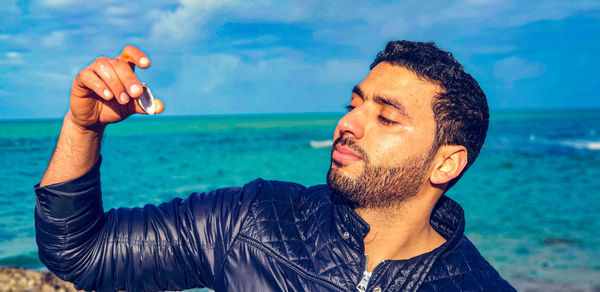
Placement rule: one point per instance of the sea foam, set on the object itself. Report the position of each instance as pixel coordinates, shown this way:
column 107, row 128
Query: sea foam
column 582, row 144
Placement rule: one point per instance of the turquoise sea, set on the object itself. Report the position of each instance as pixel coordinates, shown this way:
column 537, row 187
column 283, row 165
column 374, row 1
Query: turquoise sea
column 532, row 199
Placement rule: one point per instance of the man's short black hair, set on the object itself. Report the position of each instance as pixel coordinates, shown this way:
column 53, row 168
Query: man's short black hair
column 461, row 112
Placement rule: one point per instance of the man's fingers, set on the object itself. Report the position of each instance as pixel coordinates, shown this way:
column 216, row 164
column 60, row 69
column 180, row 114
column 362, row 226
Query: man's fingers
column 104, row 69
column 88, row 79
column 133, row 55
column 159, row 106
column 132, row 85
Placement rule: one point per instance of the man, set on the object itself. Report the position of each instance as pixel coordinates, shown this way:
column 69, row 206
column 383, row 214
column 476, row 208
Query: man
column 382, row 223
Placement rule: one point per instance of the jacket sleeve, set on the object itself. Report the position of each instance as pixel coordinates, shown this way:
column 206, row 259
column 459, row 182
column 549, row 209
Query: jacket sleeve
column 176, row 245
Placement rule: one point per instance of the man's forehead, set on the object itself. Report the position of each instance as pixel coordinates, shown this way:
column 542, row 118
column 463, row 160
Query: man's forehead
column 396, row 82
column 398, row 76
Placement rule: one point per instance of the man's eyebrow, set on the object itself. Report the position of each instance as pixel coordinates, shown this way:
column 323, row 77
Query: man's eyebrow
column 391, row 102
column 382, row 100
column 358, row 92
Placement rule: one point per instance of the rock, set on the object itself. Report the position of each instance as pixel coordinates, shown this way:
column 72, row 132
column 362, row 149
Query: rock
column 18, row 279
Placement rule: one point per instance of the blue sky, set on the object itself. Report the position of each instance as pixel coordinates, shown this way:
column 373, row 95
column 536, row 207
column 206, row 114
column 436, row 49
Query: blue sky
column 231, row 57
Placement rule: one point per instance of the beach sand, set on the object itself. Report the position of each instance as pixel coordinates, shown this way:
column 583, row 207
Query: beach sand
column 18, row 279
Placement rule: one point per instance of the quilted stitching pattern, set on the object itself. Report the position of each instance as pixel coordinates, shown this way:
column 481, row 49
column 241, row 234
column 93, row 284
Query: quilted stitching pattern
column 464, row 270
column 299, row 227
column 304, row 227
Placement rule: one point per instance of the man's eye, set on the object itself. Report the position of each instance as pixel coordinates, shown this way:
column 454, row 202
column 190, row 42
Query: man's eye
column 385, row 121
column 350, row 107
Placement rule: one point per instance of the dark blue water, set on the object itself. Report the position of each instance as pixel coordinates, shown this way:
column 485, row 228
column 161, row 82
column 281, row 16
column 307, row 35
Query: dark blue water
column 531, row 199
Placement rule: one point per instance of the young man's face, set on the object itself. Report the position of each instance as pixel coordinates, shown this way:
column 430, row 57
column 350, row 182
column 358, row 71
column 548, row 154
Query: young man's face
column 381, row 152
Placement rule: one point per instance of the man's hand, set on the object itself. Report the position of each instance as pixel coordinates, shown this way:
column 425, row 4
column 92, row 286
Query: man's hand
column 102, row 93
column 105, row 91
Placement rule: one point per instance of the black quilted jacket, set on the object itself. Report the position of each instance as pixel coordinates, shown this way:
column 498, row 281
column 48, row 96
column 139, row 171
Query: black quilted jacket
column 266, row 236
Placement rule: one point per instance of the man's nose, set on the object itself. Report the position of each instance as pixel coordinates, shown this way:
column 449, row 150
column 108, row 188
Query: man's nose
column 353, row 123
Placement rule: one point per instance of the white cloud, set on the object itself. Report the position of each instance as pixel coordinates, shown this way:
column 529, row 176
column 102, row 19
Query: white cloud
column 383, row 21
column 511, row 14
column 258, row 40
column 12, row 58
column 117, row 10
column 13, row 55
column 16, row 40
column 213, row 71
column 264, row 62
column 124, row 16
column 243, row 85
column 487, row 49
column 60, row 3
column 478, row 2
column 122, row 22
column 53, row 39
column 205, row 74
column 335, row 71
column 60, row 80
column 512, row 69
column 187, row 21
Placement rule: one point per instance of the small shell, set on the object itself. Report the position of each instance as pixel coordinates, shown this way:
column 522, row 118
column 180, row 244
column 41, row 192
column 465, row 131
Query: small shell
column 146, row 100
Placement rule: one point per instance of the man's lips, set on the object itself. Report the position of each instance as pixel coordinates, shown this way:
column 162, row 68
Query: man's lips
column 343, row 153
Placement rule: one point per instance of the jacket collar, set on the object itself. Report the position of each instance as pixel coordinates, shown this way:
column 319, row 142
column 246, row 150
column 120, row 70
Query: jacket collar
column 447, row 218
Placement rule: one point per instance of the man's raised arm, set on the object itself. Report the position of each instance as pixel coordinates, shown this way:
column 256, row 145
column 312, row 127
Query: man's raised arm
column 101, row 94
column 173, row 246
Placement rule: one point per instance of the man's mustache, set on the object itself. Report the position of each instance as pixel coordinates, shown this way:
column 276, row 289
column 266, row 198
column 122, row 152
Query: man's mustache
column 350, row 143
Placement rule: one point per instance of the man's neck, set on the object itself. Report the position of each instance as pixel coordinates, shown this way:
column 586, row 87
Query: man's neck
column 400, row 233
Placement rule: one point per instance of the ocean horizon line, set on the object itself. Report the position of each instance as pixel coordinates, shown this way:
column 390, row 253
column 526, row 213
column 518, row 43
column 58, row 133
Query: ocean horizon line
column 304, row 114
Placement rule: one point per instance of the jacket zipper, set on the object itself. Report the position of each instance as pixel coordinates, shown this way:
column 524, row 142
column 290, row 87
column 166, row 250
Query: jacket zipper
column 363, row 285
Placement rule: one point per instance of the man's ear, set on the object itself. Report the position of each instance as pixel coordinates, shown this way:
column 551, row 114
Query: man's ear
column 451, row 160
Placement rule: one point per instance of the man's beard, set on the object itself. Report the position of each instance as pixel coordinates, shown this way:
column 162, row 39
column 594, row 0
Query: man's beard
column 378, row 187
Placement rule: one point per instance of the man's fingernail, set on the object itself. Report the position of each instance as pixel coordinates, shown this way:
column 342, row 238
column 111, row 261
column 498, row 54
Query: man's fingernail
column 144, row 61
column 124, row 97
column 135, row 89
column 107, row 93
